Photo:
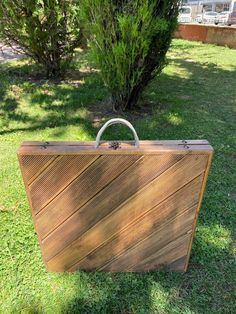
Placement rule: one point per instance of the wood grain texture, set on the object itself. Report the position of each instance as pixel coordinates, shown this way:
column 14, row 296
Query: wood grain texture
column 140, row 173
column 124, row 210
column 143, row 200
column 56, row 177
column 84, row 187
column 157, row 217
column 34, row 165
column 198, row 207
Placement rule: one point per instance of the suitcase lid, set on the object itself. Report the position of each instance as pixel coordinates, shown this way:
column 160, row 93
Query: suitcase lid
column 92, row 210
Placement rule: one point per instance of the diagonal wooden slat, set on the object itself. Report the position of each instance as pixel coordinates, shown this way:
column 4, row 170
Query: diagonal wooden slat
column 140, row 254
column 33, row 165
column 88, row 184
column 57, row 177
column 46, row 168
column 156, row 218
column 172, row 253
column 134, row 178
column 166, row 184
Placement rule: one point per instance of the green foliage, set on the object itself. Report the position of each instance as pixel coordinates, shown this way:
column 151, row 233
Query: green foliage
column 130, row 40
column 46, row 30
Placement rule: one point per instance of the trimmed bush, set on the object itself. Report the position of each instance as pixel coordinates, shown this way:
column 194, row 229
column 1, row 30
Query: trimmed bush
column 46, row 30
column 130, row 40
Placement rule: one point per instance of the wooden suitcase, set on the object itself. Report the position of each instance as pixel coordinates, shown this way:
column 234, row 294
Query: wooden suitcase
column 118, row 206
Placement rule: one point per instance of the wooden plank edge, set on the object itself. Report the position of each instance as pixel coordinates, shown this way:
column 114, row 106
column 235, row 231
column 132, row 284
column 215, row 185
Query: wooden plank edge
column 198, row 209
column 72, row 150
column 32, row 212
column 148, row 142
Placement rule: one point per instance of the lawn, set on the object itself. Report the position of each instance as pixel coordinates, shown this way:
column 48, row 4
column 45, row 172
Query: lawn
column 194, row 98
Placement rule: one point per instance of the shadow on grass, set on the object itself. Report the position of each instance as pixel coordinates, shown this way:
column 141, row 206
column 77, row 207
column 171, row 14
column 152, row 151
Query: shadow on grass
column 57, row 105
column 197, row 291
column 48, row 104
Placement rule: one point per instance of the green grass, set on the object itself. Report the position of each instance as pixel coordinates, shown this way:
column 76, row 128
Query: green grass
column 194, row 98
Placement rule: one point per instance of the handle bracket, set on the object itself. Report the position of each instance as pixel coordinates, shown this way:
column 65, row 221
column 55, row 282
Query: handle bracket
column 114, row 145
column 116, row 121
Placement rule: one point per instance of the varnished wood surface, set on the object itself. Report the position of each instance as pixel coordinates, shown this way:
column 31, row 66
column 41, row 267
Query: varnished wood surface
column 127, row 147
column 115, row 210
column 92, row 143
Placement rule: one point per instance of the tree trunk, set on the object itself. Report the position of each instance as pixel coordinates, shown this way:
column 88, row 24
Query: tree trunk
column 53, row 69
column 130, row 98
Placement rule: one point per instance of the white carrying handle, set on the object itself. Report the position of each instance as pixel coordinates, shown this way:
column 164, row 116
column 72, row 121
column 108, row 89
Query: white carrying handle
column 116, row 121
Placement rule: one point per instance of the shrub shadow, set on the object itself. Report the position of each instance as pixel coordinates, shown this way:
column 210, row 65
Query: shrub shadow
column 56, row 104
